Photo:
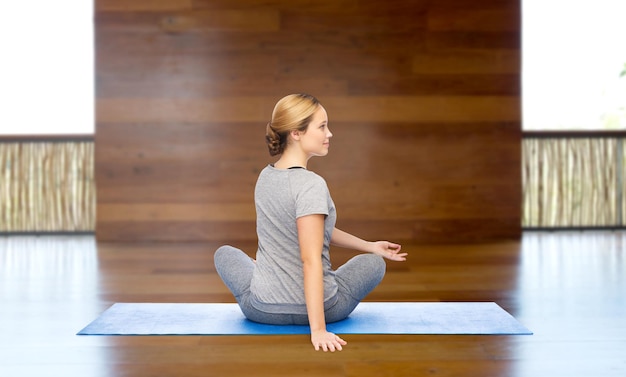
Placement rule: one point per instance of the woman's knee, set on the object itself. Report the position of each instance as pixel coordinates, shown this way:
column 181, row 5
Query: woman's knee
column 235, row 269
column 229, row 257
column 224, row 252
column 375, row 264
column 220, row 254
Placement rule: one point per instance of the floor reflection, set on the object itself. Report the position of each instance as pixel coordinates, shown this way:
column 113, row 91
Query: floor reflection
column 48, row 290
column 572, row 294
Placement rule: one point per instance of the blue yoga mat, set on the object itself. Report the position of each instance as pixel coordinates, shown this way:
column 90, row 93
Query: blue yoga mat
column 368, row 318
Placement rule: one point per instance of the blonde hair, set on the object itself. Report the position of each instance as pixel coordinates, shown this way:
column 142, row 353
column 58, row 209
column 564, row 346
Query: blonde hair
column 292, row 112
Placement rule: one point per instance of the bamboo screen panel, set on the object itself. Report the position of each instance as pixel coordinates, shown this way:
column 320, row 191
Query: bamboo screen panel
column 573, row 182
column 47, row 186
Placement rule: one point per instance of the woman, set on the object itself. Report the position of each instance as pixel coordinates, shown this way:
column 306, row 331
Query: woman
column 292, row 281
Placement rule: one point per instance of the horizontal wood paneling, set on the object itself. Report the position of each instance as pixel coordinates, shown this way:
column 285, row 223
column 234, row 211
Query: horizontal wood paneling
column 405, row 109
column 191, row 20
column 182, row 231
column 423, row 99
column 222, row 211
column 480, row 62
column 499, row 19
column 142, row 5
column 423, row 85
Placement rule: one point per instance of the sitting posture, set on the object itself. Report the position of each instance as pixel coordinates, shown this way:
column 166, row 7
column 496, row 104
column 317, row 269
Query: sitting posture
column 292, row 280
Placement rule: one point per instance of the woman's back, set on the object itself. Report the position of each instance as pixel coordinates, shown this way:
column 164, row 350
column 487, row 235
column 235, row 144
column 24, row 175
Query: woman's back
column 281, row 196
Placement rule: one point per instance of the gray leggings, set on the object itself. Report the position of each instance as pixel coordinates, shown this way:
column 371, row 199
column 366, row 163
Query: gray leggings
column 355, row 279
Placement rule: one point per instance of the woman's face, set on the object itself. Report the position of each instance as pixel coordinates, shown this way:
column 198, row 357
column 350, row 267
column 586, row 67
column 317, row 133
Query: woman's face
column 316, row 140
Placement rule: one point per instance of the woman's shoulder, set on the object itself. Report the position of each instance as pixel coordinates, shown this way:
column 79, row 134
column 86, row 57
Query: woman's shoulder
column 295, row 176
column 307, row 179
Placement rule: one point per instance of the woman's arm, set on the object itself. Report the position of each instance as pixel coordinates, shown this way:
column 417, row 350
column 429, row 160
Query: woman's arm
column 311, row 240
column 385, row 249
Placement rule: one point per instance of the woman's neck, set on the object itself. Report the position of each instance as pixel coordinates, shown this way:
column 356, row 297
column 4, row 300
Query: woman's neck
column 289, row 160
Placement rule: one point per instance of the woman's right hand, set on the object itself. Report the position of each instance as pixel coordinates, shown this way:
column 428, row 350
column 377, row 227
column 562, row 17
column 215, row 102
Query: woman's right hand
column 327, row 341
column 388, row 250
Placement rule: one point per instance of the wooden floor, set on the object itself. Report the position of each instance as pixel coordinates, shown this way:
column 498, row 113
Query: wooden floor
column 569, row 288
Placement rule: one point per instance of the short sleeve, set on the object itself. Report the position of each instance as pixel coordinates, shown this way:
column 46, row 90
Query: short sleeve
column 313, row 197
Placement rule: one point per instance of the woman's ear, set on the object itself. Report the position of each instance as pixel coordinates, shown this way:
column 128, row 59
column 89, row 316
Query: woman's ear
column 295, row 134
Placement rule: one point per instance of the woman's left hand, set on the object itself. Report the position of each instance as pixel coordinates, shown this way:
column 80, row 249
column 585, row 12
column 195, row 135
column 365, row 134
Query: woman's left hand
column 388, row 250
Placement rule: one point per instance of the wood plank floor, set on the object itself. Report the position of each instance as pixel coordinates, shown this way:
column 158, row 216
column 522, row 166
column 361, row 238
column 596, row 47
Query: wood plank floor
column 569, row 288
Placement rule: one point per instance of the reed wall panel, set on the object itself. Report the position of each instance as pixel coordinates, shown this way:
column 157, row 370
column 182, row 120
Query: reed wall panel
column 574, row 182
column 47, row 187
column 423, row 100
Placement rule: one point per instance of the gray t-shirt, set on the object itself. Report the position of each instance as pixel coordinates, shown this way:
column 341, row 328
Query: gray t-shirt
column 281, row 196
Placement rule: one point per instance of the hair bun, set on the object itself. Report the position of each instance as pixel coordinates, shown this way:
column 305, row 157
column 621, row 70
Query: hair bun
column 273, row 141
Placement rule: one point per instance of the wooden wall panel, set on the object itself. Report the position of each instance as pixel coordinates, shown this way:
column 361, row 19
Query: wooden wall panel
column 423, row 100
